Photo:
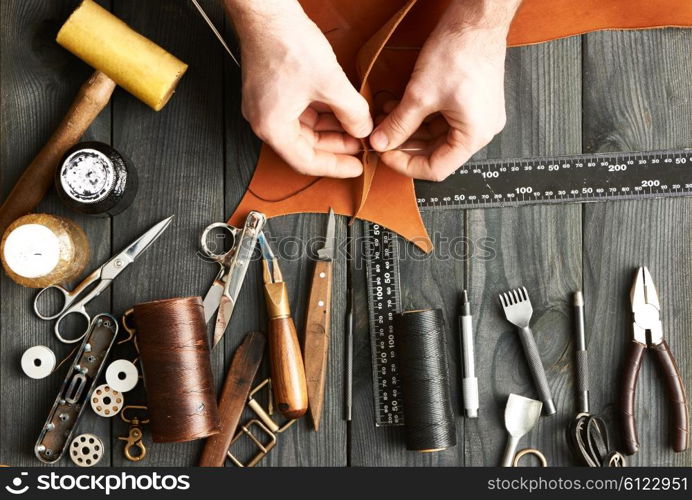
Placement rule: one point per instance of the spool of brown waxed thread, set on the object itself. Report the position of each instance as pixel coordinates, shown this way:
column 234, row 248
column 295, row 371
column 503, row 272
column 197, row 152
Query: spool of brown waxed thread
column 39, row 250
column 174, row 353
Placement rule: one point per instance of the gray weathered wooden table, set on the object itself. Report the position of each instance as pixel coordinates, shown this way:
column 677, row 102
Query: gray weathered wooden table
column 612, row 91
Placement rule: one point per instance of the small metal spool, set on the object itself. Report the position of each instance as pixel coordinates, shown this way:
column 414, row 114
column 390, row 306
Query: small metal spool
column 86, row 450
column 106, row 402
column 122, row 375
column 38, row 362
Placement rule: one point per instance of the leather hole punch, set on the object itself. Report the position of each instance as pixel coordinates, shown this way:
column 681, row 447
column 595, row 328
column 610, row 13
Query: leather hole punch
column 134, row 438
column 264, row 423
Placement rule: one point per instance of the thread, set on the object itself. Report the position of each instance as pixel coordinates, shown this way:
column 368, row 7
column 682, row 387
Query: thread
column 422, row 348
column 95, row 179
column 39, row 250
column 174, row 354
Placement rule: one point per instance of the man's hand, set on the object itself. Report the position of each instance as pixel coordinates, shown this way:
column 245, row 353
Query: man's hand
column 295, row 95
column 454, row 103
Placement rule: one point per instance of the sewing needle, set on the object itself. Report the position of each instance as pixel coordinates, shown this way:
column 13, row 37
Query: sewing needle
column 215, row 31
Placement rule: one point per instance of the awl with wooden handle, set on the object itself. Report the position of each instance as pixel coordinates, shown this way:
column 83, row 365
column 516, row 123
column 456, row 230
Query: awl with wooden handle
column 316, row 341
column 285, row 359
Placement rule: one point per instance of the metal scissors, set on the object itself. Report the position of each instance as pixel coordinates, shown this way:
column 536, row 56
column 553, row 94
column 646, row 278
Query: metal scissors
column 75, row 301
column 234, row 263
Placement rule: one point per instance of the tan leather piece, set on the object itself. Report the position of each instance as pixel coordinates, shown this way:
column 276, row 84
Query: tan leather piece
column 378, row 51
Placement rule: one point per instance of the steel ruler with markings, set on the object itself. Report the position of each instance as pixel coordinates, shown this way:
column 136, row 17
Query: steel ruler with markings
column 504, row 183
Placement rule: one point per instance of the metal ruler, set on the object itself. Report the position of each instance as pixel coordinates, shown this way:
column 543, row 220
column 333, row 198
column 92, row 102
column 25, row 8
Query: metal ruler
column 384, row 299
column 505, row 183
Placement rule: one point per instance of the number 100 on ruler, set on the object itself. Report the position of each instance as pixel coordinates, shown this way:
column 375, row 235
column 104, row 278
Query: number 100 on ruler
column 384, row 300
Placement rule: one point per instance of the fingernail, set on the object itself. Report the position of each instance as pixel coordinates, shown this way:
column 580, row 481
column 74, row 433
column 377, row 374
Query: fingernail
column 379, row 140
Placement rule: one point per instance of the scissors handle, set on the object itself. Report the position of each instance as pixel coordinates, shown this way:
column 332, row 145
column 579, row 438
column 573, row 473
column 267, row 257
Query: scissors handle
column 59, row 329
column 211, row 252
column 68, row 298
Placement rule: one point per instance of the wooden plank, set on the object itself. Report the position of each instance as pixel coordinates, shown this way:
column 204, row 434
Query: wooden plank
column 428, row 281
column 294, row 239
column 39, row 81
column 179, row 154
column 535, row 247
column 638, row 97
column 538, row 247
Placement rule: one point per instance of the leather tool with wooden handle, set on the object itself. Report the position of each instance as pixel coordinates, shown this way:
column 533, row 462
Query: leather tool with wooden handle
column 120, row 56
column 317, row 322
column 236, row 389
column 647, row 323
column 285, row 359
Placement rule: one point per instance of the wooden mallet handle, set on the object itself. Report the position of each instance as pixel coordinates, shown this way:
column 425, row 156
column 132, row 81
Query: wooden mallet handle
column 38, row 176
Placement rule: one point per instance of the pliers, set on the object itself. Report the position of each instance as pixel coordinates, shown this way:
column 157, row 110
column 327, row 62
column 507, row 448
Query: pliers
column 647, row 309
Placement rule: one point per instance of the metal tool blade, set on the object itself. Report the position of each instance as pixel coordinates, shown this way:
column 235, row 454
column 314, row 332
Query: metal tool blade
column 223, row 318
column 212, row 299
column 327, row 251
column 119, row 262
column 232, row 281
column 646, row 308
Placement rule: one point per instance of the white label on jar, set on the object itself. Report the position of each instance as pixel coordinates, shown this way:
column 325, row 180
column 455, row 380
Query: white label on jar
column 32, row 250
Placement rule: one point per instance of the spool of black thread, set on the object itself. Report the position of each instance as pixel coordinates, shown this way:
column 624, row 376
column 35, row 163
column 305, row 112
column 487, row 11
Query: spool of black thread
column 95, row 179
column 422, row 348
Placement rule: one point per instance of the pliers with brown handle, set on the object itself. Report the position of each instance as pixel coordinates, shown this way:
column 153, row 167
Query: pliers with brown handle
column 647, row 309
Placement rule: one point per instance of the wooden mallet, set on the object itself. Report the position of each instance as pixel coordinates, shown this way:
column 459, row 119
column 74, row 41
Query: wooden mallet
column 120, row 56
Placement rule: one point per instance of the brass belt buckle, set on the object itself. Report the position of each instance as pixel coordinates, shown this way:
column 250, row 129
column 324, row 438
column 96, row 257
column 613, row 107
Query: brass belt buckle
column 264, row 423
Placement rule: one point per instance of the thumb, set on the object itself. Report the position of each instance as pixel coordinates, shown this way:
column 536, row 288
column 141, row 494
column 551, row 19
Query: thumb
column 399, row 125
column 350, row 108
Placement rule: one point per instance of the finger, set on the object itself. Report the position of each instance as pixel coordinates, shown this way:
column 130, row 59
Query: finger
column 333, row 142
column 400, row 124
column 297, row 148
column 350, row 108
column 454, row 151
column 449, row 153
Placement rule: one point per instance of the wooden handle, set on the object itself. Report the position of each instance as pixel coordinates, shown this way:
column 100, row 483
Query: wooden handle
column 37, row 179
column 316, row 343
column 287, row 371
column 676, row 394
column 630, row 375
column 236, row 388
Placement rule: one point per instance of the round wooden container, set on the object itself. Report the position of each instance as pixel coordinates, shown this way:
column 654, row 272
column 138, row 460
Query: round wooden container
column 39, row 250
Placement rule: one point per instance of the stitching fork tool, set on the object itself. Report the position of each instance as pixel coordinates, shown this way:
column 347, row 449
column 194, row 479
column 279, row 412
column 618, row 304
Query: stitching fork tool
column 223, row 294
column 75, row 301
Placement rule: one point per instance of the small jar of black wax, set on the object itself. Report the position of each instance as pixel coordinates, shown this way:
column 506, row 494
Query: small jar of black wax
column 95, row 179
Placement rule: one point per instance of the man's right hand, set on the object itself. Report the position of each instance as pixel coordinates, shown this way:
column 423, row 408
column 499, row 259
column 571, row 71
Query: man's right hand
column 296, row 96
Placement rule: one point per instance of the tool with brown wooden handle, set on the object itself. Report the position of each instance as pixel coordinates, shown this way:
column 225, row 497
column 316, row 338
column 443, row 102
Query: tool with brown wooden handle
column 648, row 333
column 317, row 322
column 285, row 359
column 236, row 389
column 120, row 56
column 316, row 342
